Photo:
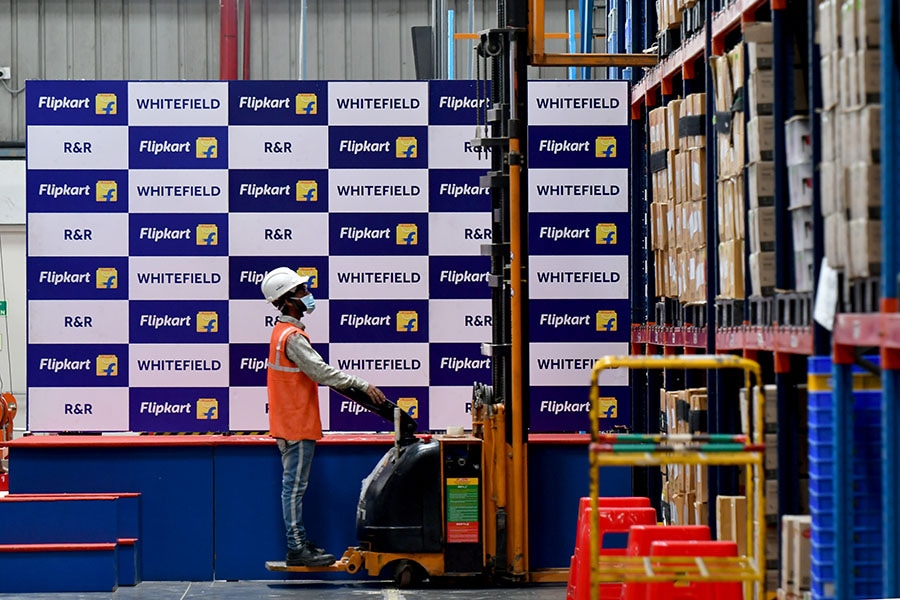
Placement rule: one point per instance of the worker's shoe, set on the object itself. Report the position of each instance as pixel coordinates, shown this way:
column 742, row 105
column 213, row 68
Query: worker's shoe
column 309, row 556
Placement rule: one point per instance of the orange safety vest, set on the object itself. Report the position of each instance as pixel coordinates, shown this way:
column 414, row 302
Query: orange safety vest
column 293, row 396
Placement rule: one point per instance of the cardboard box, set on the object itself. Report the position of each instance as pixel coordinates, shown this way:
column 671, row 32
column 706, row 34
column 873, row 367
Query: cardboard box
column 771, row 455
column 739, row 207
column 762, row 229
column 731, row 269
column 762, row 92
column 865, row 181
column 697, row 223
column 698, row 174
column 848, row 27
column 828, row 65
column 721, row 213
column 722, row 74
column 868, row 73
column 736, row 66
column 868, row 21
column 869, row 150
column 837, row 240
column 673, row 114
column 802, row 226
column 798, row 140
column 759, row 32
column 865, row 248
column 760, row 55
column 828, row 192
column 731, row 521
column 701, row 513
column 846, row 96
column 760, row 138
column 728, row 207
column 771, row 497
column 800, row 185
column 796, row 551
column 804, row 272
column 762, row 273
column 761, row 184
column 827, row 34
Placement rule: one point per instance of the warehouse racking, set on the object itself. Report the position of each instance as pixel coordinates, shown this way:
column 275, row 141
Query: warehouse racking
column 772, row 321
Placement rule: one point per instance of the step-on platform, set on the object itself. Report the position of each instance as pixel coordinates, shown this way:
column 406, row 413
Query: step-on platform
column 280, row 565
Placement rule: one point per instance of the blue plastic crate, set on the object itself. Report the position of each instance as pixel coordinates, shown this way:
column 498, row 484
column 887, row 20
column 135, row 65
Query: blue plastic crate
column 865, row 537
column 825, row 518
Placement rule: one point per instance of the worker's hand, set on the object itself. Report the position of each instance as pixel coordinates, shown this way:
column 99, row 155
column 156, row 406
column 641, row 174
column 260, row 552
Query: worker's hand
column 374, row 394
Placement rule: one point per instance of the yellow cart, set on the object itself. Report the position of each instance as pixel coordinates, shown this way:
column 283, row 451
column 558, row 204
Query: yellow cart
column 747, row 449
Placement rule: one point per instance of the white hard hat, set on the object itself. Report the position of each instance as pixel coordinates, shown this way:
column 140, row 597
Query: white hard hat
column 280, row 281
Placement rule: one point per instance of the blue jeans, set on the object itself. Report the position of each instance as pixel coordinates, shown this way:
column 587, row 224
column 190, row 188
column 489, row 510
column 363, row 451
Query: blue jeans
column 296, row 459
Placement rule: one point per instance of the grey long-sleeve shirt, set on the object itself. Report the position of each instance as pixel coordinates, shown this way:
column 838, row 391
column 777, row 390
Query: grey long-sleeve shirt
column 301, row 353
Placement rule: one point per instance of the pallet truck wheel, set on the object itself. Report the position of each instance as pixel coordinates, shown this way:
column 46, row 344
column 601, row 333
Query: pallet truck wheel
column 408, row 573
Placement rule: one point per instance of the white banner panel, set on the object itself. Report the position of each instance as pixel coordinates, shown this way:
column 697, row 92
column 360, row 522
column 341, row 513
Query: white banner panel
column 378, row 277
column 378, row 191
column 247, row 408
column 378, row 103
column 452, row 148
column 459, row 321
column 78, row 147
column 178, row 103
column 563, row 277
column 278, row 234
column 450, row 407
column 383, row 364
column 78, row 322
column 578, row 190
column 276, row 147
column 458, row 234
column 177, row 365
column 78, row 409
column 577, row 103
column 178, row 277
column 82, row 234
column 571, row 363
column 179, row 192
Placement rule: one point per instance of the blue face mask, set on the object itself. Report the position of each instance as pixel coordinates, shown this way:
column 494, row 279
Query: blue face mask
column 309, row 302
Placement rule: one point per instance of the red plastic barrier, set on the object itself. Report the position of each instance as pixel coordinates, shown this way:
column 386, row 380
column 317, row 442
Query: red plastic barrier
column 640, row 539
column 694, row 590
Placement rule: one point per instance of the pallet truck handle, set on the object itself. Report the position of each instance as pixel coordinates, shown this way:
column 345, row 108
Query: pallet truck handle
column 386, row 411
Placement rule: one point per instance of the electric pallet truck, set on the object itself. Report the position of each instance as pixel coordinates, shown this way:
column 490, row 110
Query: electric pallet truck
column 420, row 512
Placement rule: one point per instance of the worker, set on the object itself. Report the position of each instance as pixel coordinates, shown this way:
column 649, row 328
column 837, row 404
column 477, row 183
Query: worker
column 294, row 372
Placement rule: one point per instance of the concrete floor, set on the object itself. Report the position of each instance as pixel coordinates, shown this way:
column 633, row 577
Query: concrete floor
column 306, row 590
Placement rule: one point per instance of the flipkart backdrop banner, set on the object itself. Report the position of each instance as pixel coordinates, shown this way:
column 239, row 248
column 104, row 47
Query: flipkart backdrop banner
column 156, row 208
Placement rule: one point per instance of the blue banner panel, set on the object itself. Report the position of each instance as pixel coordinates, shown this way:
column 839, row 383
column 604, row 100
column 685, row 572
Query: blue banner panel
column 356, row 234
column 457, row 190
column 80, row 278
column 458, row 364
column 579, row 234
column 455, row 277
column 567, row 409
column 458, row 102
column 580, row 320
column 193, row 410
column 579, row 147
column 77, row 365
column 383, row 321
column 247, row 364
column 401, row 147
column 247, row 272
column 77, row 102
column 178, row 147
column 278, row 102
column 178, row 234
column 347, row 415
column 181, row 322
column 278, row 191
column 77, row 191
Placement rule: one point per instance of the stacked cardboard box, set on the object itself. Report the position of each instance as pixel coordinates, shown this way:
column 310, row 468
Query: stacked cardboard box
column 800, row 168
column 685, row 487
column 728, row 74
column 678, row 210
column 668, row 15
column 796, row 557
column 850, row 168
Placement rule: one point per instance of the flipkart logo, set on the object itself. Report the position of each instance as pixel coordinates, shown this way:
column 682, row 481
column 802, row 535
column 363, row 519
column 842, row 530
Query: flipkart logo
column 107, row 365
column 608, row 408
column 107, row 191
column 306, row 104
column 407, row 234
column 407, row 320
column 607, row 320
column 207, row 321
column 407, row 147
column 607, row 234
column 410, row 406
column 105, row 104
column 207, row 147
column 107, row 278
column 207, row 235
column 307, row 191
column 605, row 146
column 207, row 409
column 312, row 273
